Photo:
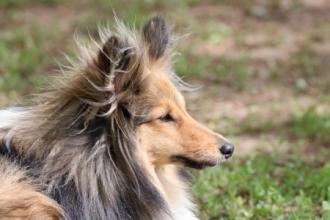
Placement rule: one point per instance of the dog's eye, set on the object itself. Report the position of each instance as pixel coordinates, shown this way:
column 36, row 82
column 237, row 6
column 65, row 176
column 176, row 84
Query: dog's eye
column 166, row 118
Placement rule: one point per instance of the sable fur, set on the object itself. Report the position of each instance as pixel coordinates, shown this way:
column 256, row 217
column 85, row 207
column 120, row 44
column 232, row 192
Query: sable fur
column 80, row 143
column 20, row 199
column 82, row 135
column 155, row 32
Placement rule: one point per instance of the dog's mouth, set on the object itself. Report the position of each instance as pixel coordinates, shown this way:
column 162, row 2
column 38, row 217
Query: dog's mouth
column 188, row 162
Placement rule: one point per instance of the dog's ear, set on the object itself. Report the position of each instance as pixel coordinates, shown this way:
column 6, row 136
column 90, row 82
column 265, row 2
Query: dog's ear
column 156, row 36
column 119, row 61
column 115, row 54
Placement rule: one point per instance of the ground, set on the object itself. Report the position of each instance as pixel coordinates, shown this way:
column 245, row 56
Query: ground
column 262, row 68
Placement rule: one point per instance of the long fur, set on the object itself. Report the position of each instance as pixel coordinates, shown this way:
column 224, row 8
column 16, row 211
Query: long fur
column 78, row 140
column 21, row 199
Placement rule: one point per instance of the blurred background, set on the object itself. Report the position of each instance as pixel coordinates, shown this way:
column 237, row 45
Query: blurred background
column 264, row 68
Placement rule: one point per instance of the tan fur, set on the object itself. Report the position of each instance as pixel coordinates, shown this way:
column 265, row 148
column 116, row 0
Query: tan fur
column 159, row 140
column 21, row 200
column 185, row 136
column 102, row 124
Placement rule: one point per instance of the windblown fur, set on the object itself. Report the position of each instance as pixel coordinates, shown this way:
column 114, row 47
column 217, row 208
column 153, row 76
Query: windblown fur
column 78, row 142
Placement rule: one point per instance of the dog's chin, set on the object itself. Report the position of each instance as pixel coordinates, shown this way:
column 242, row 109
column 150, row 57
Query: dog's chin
column 192, row 163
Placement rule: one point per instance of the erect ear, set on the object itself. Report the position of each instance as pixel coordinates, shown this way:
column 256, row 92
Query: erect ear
column 114, row 55
column 119, row 60
column 156, row 36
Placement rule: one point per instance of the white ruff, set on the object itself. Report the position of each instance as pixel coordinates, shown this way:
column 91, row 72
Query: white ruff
column 8, row 117
column 183, row 210
column 177, row 194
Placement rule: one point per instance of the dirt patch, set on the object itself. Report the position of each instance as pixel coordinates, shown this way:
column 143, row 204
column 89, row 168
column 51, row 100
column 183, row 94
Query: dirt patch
column 263, row 39
column 45, row 16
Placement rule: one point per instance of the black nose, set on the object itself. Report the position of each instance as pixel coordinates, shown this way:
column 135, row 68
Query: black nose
column 227, row 150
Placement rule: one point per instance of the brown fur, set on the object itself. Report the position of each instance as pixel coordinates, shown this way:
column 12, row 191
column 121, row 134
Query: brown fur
column 107, row 141
column 21, row 200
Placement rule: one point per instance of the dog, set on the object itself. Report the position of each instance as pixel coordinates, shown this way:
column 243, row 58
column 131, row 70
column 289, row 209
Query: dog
column 108, row 139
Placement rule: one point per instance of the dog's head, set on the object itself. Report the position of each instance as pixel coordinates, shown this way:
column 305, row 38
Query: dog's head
column 136, row 71
column 171, row 135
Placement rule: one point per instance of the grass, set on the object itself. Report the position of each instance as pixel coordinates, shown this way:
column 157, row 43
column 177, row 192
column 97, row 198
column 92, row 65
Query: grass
column 311, row 125
column 189, row 65
column 21, row 55
column 287, row 185
column 234, row 73
column 306, row 61
column 19, row 3
column 265, row 187
column 254, row 124
column 308, row 68
column 214, row 32
column 268, row 9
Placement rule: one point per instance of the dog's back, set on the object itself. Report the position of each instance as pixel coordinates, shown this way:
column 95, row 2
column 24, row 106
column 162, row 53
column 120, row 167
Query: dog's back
column 20, row 198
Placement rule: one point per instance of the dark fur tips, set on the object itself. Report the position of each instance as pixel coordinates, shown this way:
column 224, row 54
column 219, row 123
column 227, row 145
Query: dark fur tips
column 108, row 53
column 156, row 35
column 115, row 53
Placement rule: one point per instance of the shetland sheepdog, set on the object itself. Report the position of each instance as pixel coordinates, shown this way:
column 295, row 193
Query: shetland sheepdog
column 107, row 140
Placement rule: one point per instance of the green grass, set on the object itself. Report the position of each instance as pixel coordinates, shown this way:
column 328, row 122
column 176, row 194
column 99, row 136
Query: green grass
column 306, row 61
column 311, row 125
column 235, row 73
column 190, row 66
column 18, row 3
column 254, row 124
column 308, row 68
column 214, row 32
column 21, row 55
column 265, row 187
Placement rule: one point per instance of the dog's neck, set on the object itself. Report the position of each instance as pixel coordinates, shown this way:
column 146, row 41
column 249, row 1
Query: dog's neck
column 176, row 192
column 172, row 187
